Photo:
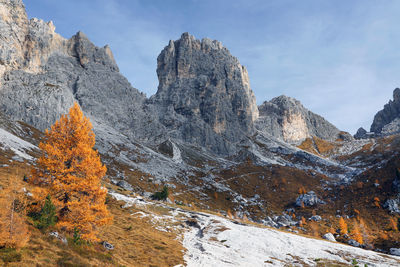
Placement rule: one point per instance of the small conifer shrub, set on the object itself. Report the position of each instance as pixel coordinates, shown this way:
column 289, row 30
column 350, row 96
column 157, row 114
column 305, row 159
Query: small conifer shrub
column 161, row 195
column 47, row 216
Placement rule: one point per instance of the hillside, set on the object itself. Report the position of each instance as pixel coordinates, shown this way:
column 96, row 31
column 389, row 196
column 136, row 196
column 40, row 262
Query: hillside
column 247, row 183
column 149, row 233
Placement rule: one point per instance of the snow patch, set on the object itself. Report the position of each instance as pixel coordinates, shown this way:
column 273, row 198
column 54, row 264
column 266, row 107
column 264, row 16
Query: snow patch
column 16, row 144
column 176, row 153
column 221, row 242
column 211, row 240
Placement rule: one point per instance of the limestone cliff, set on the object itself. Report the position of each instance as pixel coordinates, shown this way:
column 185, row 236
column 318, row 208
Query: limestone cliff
column 204, row 95
column 287, row 119
column 387, row 120
column 41, row 74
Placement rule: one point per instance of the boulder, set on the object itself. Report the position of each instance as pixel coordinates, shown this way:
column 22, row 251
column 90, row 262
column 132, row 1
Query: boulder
column 392, row 205
column 107, row 245
column 329, row 236
column 315, row 218
column 309, row 199
column 279, row 221
column 395, row 251
column 59, row 237
column 284, row 220
column 125, row 185
column 354, row 243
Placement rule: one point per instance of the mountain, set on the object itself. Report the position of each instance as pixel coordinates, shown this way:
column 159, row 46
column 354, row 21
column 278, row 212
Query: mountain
column 43, row 74
column 204, row 95
column 203, row 99
column 202, row 135
column 387, row 121
column 286, row 118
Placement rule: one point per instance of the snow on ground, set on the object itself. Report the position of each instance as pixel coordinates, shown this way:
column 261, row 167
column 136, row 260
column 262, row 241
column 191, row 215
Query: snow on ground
column 212, row 240
column 176, row 154
column 247, row 245
column 16, row 144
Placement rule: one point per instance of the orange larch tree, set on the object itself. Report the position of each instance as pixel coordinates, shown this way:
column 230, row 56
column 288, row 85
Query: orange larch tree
column 343, row 226
column 393, row 224
column 356, row 234
column 14, row 231
column 70, row 171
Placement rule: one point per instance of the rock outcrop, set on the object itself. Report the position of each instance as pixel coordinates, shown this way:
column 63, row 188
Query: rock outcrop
column 361, row 133
column 287, row 119
column 42, row 74
column 309, row 199
column 329, row 236
column 204, row 95
column 387, row 121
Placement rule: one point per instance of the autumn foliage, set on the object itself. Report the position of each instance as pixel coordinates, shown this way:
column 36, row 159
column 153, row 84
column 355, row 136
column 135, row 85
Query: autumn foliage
column 393, row 224
column 303, row 221
column 356, row 234
column 70, row 171
column 343, row 226
column 229, row 214
column 14, row 231
column 302, row 190
column 377, row 202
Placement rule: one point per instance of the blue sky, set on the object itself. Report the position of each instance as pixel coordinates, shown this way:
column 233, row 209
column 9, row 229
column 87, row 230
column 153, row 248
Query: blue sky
column 341, row 59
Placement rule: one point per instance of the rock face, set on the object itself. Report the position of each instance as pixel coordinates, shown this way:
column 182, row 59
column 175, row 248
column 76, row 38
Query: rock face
column 392, row 205
column 310, row 199
column 361, row 133
column 329, row 236
column 204, row 95
column 395, row 251
column 353, row 243
column 387, row 120
column 42, row 74
column 287, row 119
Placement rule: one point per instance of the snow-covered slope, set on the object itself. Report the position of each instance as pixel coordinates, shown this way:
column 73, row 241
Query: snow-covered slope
column 16, row 144
column 222, row 242
column 213, row 240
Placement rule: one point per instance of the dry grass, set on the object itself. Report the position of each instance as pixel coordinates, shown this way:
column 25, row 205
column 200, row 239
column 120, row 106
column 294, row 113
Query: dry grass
column 136, row 241
column 139, row 244
column 319, row 146
column 308, row 145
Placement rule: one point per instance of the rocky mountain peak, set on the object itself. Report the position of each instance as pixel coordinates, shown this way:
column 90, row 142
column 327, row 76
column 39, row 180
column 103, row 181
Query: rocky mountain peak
column 388, row 115
column 42, row 74
column 81, row 47
column 396, row 95
column 287, row 119
column 13, row 28
column 204, row 92
column 26, row 44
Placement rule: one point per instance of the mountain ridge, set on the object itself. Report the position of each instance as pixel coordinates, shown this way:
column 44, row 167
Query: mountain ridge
column 204, row 96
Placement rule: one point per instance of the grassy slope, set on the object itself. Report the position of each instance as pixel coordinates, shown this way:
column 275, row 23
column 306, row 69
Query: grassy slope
column 136, row 241
column 144, row 246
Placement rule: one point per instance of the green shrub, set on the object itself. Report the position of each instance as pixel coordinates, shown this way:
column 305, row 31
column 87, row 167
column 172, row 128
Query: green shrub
column 47, row 216
column 354, row 263
column 162, row 195
column 77, row 237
